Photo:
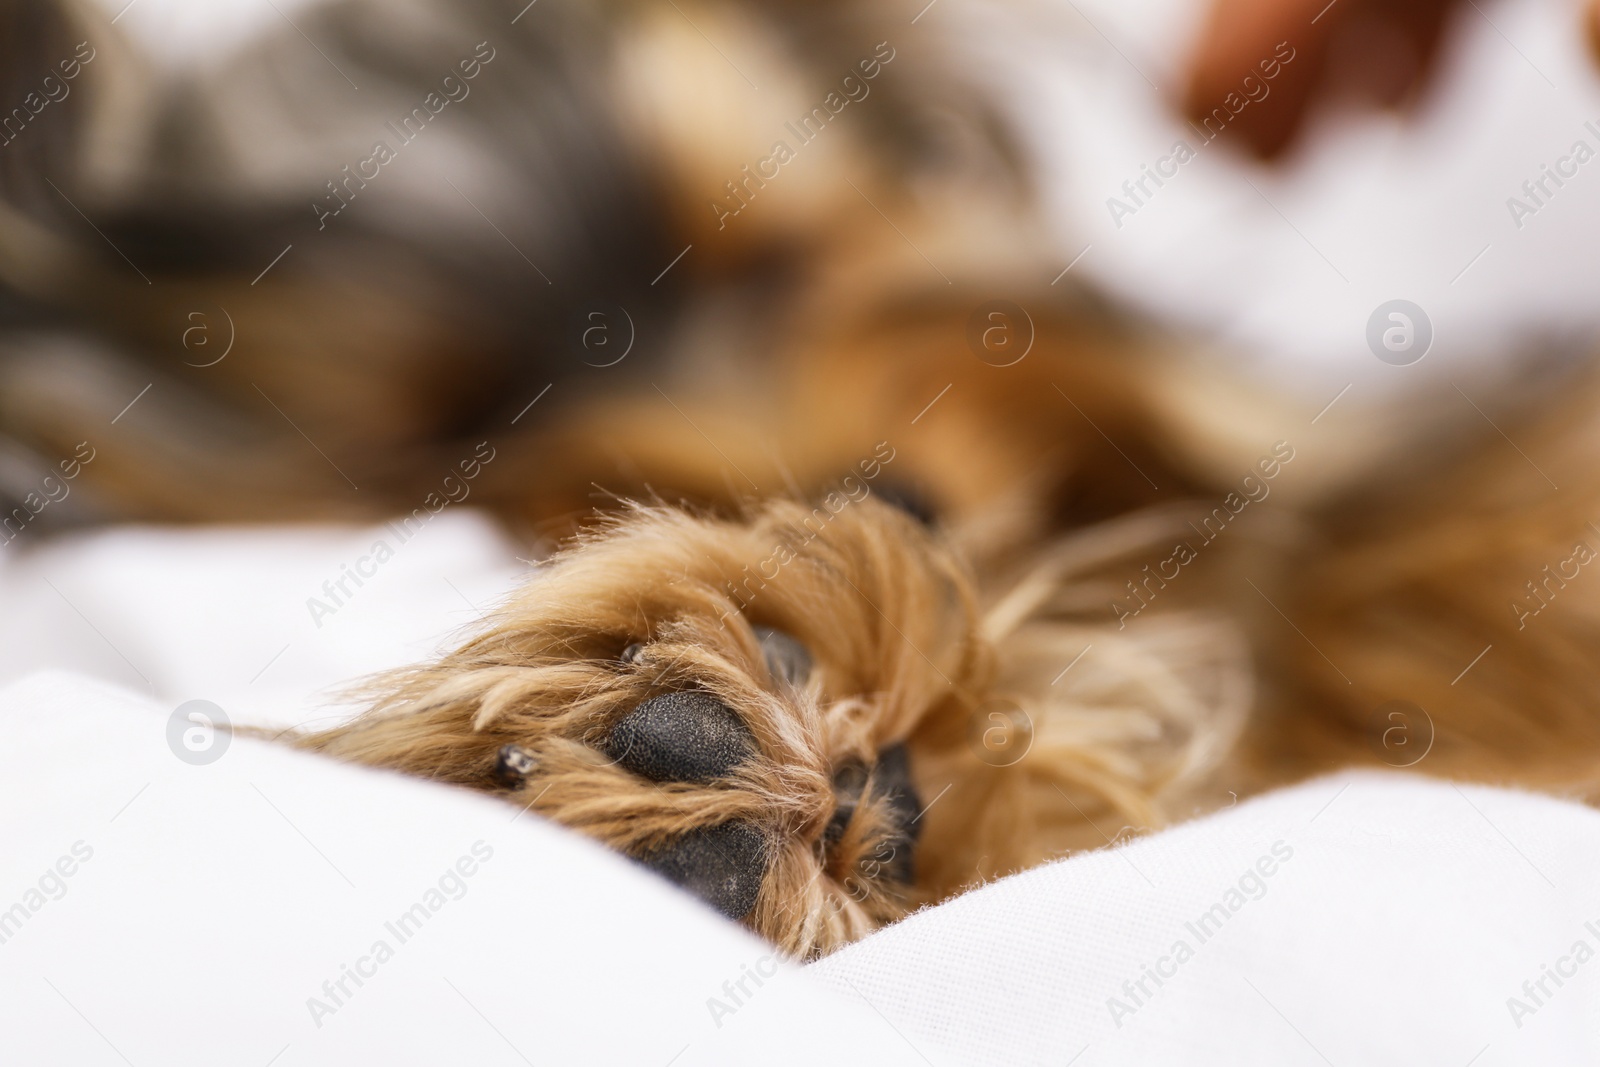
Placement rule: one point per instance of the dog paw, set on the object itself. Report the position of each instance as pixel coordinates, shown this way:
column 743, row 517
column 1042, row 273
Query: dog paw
column 744, row 707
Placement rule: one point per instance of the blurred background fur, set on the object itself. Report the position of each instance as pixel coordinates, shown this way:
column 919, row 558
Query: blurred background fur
column 143, row 210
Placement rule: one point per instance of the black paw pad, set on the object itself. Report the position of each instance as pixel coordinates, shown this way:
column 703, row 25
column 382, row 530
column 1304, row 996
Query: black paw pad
column 891, row 780
column 909, row 500
column 722, row 865
column 848, row 783
column 680, row 737
column 512, row 765
column 787, row 659
column 893, row 777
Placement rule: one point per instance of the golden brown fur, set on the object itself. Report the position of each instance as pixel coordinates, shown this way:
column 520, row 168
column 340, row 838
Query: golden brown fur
column 1057, row 485
column 887, row 613
column 903, row 656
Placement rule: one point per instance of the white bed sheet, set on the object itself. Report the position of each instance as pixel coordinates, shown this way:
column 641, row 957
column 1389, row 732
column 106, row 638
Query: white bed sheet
column 226, row 614
column 1399, row 923
column 220, row 897
column 153, row 911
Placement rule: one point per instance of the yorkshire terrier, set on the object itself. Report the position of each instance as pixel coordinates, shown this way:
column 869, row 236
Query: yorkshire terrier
column 940, row 587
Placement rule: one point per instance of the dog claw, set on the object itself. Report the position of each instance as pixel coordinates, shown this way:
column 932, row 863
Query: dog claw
column 512, row 765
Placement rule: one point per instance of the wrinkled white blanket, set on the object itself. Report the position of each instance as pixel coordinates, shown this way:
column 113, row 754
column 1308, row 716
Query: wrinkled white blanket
column 272, row 904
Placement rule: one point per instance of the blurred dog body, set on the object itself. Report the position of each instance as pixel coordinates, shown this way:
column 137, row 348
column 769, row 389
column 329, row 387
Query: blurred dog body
column 402, row 222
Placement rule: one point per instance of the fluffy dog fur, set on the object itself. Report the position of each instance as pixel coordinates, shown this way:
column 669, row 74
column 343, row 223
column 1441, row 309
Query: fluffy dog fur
column 903, row 656
column 899, row 658
column 1036, row 716
column 1058, row 486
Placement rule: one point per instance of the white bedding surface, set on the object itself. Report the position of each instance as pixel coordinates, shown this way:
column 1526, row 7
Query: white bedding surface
column 1371, row 918
column 206, row 906
column 1398, row 927
column 225, row 614
column 154, row 911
